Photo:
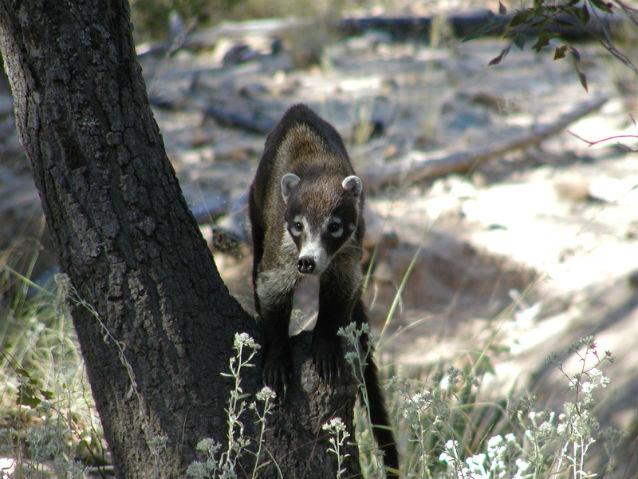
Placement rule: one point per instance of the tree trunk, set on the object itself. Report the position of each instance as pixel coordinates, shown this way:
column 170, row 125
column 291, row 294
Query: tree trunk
column 153, row 318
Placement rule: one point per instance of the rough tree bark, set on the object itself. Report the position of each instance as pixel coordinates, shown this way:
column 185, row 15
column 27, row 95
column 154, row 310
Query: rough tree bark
column 157, row 325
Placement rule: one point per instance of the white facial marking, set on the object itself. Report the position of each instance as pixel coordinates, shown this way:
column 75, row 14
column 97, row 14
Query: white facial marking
column 313, row 248
column 298, row 225
column 334, row 226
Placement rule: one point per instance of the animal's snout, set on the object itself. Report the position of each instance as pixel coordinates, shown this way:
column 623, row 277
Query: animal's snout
column 306, row 265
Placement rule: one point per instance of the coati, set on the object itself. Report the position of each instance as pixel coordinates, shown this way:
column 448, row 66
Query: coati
column 305, row 208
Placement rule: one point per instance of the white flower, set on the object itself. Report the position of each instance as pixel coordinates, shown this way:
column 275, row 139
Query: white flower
column 495, row 449
column 266, row 393
column 476, row 465
column 545, row 429
column 446, row 458
column 335, row 424
column 449, row 455
column 494, row 441
column 244, row 339
column 521, row 466
column 206, row 444
column 445, row 382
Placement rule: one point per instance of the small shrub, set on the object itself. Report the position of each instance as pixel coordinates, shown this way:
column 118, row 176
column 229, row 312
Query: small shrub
column 222, row 464
column 48, row 422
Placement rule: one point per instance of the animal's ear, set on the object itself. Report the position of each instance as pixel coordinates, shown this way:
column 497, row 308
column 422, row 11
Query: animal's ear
column 288, row 182
column 352, row 184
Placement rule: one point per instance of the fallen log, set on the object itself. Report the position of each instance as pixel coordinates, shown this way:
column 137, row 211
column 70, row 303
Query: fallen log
column 249, row 122
column 483, row 23
column 462, row 25
column 423, row 166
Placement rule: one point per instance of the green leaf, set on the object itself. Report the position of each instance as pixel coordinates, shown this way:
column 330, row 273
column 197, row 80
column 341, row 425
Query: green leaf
column 23, row 372
column 27, row 395
column 563, row 22
column 502, row 9
column 499, row 348
column 540, row 20
column 493, row 23
column 574, row 53
column 497, row 60
column 583, row 80
column 521, row 17
column 543, row 40
column 582, row 13
column 47, row 394
column 560, row 52
column 576, row 59
column 519, row 41
column 603, row 6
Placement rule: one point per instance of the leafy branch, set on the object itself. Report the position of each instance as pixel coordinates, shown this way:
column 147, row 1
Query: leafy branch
column 548, row 23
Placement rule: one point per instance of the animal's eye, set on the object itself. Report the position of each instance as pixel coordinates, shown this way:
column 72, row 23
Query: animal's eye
column 335, row 229
column 298, row 226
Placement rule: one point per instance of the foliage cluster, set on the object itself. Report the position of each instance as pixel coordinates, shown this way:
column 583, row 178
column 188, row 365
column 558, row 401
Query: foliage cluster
column 547, row 23
column 445, row 430
column 48, row 424
column 448, row 433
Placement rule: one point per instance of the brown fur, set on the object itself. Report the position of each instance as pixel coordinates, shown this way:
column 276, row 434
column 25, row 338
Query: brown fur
column 322, row 193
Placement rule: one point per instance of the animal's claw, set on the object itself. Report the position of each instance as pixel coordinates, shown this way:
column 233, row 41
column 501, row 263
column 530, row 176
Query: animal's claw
column 277, row 372
column 326, row 355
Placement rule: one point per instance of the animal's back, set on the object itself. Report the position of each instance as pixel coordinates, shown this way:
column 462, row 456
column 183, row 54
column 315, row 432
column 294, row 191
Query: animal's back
column 301, row 143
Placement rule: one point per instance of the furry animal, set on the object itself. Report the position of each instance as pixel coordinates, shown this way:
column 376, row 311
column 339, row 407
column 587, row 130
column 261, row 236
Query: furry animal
column 306, row 207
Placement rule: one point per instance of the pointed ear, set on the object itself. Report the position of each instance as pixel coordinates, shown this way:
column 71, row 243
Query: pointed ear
column 352, row 184
column 288, row 182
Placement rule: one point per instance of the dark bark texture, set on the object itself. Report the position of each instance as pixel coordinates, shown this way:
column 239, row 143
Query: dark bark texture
column 160, row 324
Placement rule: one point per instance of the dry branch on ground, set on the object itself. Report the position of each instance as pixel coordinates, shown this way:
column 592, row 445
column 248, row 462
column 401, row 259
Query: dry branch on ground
column 425, row 166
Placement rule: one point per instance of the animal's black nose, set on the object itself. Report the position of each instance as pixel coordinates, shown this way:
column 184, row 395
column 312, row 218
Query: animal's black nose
column 306, row 265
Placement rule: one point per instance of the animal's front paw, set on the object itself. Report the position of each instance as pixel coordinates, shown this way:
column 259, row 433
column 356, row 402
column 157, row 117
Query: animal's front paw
column 277, row 370
column 327, row 356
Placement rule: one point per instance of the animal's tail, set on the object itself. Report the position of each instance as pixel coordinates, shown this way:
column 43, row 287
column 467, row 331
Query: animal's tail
column 379, row 417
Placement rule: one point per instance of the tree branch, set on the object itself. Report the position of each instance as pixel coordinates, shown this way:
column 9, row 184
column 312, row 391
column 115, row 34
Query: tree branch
column 427, row 166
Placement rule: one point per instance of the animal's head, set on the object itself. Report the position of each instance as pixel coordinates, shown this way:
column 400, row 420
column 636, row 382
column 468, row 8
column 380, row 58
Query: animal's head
column 322, row 215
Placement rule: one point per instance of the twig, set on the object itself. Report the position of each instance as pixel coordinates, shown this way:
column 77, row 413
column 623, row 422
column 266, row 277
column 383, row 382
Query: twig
column 607, row 42
column 632, row 13
column 591, row 143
